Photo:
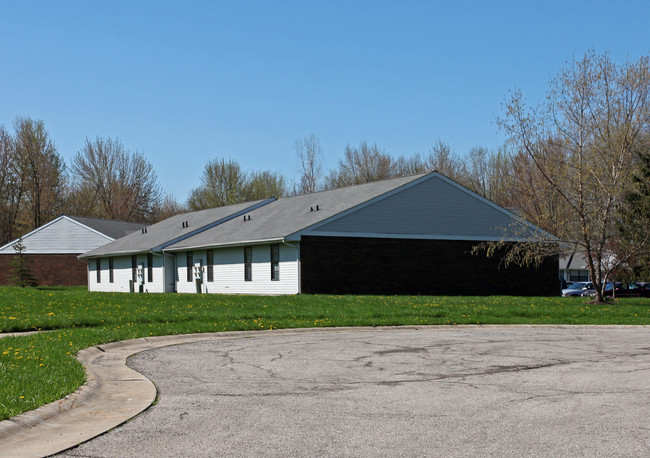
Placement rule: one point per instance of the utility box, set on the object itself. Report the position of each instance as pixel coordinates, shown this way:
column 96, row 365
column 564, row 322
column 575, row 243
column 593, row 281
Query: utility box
column 140, row 277
column 198, row 276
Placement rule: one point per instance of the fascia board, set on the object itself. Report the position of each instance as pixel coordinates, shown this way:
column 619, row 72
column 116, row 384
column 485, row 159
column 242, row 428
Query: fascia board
column 376, row 235
column 112, row 254
column 227, row 245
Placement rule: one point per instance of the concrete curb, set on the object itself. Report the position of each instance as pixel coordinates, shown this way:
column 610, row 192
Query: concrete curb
column 114, row 393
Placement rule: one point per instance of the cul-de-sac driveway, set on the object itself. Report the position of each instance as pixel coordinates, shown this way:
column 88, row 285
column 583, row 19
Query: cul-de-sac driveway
column 436, row 391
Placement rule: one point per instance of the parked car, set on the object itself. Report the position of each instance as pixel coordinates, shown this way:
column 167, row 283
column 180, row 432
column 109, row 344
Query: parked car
column 591, row 291
column 631, row 290
column 576, row 289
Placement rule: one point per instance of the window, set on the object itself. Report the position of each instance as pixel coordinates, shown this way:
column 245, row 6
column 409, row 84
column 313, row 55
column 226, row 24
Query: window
column 190, row 262
column 134, row 269
column 210, row 256
column 248, row 263
column 275, row 262
column 578, row 275
column 149, row 267
column 110, row 270
column 98, row 268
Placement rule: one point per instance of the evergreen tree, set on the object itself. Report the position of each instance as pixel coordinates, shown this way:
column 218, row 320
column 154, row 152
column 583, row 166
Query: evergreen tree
column 21, row 274
column 634, row 221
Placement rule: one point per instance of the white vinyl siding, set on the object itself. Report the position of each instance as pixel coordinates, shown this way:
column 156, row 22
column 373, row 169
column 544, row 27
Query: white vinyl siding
column 122, row 274
column 183, row 271
column 229, row 271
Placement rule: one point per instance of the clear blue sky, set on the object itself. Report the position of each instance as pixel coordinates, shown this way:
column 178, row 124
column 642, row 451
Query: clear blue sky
column 187, row 81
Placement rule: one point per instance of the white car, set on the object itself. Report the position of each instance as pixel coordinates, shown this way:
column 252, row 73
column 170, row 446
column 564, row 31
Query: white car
column 577, row 289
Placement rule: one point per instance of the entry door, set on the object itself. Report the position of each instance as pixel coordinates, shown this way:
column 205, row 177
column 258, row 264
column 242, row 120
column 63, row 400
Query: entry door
column 170, row 274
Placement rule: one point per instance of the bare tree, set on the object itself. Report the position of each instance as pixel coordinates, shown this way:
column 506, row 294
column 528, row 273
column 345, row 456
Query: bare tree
column 41, row 172
column 222, row 183
column 487, row 174
column 409, row 165
column 262, row 185
column 167, row 208
column 581, row 142
column 225, row 183
column 361, row 165
column 310, row 164
column 443, row 160
column 534, row 197
column 10, row 188
column 123, row 185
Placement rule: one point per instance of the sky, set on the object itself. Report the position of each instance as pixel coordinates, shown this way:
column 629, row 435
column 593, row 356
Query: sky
column 187, row 82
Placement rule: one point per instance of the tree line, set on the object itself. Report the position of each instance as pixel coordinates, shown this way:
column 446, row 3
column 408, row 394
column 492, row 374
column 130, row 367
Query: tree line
column 224, row 182
column 106, row 180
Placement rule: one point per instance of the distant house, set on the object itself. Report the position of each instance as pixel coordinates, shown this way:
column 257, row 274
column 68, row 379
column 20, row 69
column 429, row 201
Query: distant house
column 574, row 267
column 54, row 248
column 410, row 235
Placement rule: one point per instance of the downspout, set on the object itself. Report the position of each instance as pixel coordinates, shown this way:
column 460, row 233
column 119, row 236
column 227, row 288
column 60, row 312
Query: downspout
column 299, row 266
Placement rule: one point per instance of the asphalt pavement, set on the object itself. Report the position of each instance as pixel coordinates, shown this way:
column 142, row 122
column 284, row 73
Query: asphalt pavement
column 430, row 391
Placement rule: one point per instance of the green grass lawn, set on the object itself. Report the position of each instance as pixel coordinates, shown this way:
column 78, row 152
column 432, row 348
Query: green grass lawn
column 41, row 368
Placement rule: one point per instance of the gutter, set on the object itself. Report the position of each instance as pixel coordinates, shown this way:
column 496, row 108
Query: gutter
column 231, row 244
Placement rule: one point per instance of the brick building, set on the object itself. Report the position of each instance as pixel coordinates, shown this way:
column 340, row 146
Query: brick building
column 54, row 248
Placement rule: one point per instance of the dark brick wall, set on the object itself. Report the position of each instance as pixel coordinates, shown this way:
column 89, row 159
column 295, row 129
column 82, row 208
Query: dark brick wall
column 340, row 265
column 50, row 269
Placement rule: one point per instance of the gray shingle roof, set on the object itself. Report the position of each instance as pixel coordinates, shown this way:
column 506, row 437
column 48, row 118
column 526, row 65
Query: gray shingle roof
column 277, row 219
column 114, row 229
column 159, row 234
column 286, row 216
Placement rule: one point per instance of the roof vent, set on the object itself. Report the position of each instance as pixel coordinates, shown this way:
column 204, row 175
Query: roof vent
column 247, row 217
column 311, row 209
column 185, row 224
column 144, row 230
column 317, row 207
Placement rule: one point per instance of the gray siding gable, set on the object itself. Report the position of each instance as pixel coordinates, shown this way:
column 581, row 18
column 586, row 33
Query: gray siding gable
column 434, row 207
